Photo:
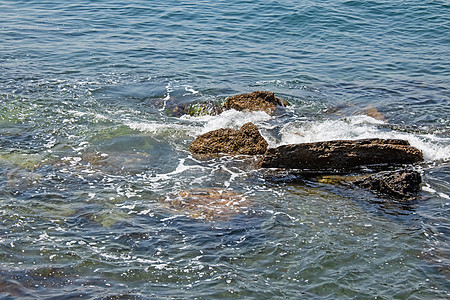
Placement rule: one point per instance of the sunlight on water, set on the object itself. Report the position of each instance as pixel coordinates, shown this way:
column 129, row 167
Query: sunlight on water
column 100, row 197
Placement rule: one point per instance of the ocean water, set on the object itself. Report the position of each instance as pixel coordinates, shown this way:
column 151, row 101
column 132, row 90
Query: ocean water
column 94, row 143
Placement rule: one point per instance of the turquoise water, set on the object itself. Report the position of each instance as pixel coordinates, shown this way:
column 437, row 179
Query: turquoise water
column 94, row 142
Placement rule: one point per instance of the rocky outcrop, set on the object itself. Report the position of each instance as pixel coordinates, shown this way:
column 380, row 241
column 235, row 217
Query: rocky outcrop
column 331, row 161
column 255, row 101
column 401, row 184
column 341, row 155
column 247, row 141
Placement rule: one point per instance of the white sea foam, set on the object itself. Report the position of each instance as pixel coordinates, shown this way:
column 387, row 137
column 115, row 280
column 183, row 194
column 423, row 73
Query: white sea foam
column 154, row 127
column 190, row 89
column 324, row 130
column 445, row 196
column 433, row 147
column 181, row 168
column 360, row 127
column 229, row 119
column 95, row 116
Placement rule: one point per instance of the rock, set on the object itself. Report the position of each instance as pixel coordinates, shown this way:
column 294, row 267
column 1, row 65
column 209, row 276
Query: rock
column 197, row 109
column 246, row 141
column 255, row 101
column 208, row 203
column 204, row 109
column 401, row 184
column 19, row 180
column 341, row 156
column 374, row 113
column 177, row 110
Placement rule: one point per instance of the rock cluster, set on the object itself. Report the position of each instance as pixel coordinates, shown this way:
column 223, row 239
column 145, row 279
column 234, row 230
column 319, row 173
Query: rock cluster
column 328, row 157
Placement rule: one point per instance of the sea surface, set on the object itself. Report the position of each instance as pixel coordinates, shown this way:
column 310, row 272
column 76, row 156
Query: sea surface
column 100, row 101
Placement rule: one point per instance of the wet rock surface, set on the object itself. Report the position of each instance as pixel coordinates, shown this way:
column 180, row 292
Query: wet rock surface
column 207, row 108
column 341, row 155
column 255, row 101
column 245, row 141
column 401, row 184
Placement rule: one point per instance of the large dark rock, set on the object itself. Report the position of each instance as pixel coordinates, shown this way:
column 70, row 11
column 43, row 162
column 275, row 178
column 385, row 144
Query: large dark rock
column 247, row 140
column 341, row 155
column 255, row 101
column 401, row 184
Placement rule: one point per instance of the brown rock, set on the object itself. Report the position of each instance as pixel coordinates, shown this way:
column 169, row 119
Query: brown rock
column 374, row 113
column 247, row 141
column 255, row 101
column 341, row 155
column 208, row 203
column 401, row 184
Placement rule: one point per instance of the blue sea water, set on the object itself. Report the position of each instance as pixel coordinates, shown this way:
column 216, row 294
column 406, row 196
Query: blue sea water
column 95, row 134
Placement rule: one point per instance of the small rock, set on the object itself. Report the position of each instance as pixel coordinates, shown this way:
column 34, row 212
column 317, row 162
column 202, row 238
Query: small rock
column 255, row 101
column 246, row 141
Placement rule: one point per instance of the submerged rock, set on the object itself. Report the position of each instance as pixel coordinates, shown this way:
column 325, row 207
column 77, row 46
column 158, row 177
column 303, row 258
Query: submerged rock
column 374, row 113
column 255, row 101
column 246, row 141
column 198, row 109
column 208, row 203
column 30, row 161
column 204, row 109
column 401, row 184
column 112, row 162
column 20, row 180
column 341, row 156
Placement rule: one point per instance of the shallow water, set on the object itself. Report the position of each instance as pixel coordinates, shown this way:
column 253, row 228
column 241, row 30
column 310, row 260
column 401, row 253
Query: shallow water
column 93, row 143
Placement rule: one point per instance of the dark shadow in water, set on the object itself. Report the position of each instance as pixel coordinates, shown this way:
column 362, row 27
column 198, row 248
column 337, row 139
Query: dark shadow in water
column 336, row 184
